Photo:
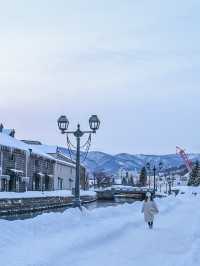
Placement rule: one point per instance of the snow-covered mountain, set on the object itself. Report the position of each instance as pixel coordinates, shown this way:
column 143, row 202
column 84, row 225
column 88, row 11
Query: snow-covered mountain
column 99, row 161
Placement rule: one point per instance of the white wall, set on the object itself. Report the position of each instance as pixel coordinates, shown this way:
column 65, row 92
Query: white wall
column 66, row 173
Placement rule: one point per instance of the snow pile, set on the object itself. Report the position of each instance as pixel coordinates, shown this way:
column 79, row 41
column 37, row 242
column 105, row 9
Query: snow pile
column 113, row 236
column 37, row 194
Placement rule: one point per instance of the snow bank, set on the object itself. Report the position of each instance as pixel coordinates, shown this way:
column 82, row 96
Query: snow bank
column 35, row 194
column 114, row 236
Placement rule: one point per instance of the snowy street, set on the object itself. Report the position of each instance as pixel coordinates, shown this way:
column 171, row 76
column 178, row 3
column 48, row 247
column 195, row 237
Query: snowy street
column 106, row 236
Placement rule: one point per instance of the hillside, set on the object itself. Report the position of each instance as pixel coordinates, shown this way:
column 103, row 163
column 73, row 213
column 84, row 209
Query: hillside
column 99, row 161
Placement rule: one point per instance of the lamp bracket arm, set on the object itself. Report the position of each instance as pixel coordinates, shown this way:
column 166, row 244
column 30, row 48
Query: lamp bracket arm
column 89, row 132
column 69, row 132
column 84, row 132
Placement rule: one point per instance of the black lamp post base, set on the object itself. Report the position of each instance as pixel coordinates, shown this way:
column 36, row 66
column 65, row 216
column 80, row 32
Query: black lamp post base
column 76, row 203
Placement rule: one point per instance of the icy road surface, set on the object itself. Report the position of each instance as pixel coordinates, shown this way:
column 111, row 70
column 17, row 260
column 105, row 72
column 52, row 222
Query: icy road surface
column 113, row 236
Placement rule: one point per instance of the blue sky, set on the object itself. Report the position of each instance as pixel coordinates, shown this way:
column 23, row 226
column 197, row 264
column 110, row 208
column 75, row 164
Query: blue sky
column 134, row 63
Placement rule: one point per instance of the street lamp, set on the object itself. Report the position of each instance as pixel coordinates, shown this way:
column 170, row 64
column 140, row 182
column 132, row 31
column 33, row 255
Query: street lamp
column 94, row 123
column 148, row 166
column 169, row 180
column 63, row 124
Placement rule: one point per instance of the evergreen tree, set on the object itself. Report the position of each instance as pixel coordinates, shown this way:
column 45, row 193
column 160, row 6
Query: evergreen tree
column 194, row 179
column 143, row 177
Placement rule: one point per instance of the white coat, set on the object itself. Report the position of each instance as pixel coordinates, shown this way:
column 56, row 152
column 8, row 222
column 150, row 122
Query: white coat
column 149, row 209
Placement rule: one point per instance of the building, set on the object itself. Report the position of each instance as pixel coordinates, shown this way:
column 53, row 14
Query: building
column 29, row 165
column 64, row 168
column 23, row 168
column 128, row 177
column 40, row 171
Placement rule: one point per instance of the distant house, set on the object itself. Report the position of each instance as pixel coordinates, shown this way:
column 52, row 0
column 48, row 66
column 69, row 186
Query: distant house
column 128, row 177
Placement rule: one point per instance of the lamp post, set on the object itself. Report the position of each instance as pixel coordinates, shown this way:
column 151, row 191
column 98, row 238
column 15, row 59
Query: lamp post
column 169, row 181
column 154, row 168
column 149, row 180
column 63, row 124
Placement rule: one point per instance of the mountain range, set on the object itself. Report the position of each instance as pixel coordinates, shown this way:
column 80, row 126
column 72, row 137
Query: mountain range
column 111, row 164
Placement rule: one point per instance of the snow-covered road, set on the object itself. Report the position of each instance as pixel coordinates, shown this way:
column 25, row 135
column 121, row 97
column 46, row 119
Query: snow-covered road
column 106, row 236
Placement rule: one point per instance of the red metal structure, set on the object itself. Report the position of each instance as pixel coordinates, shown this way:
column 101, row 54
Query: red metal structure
column 185, row 158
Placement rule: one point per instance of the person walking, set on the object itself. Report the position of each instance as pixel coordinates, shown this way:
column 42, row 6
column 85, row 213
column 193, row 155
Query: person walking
column 149, row 209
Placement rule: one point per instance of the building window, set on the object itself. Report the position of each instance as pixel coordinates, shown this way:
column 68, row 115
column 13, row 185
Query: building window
column 12, row 157
column 60, row 183
column 37, row 163
column 47, row 164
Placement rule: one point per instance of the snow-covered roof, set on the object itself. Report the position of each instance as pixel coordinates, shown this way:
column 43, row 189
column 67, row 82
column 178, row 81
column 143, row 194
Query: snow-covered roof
column 51, row 149
column 8, row 141
column 67, row 157
column 38, row 152
column 7, row 131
